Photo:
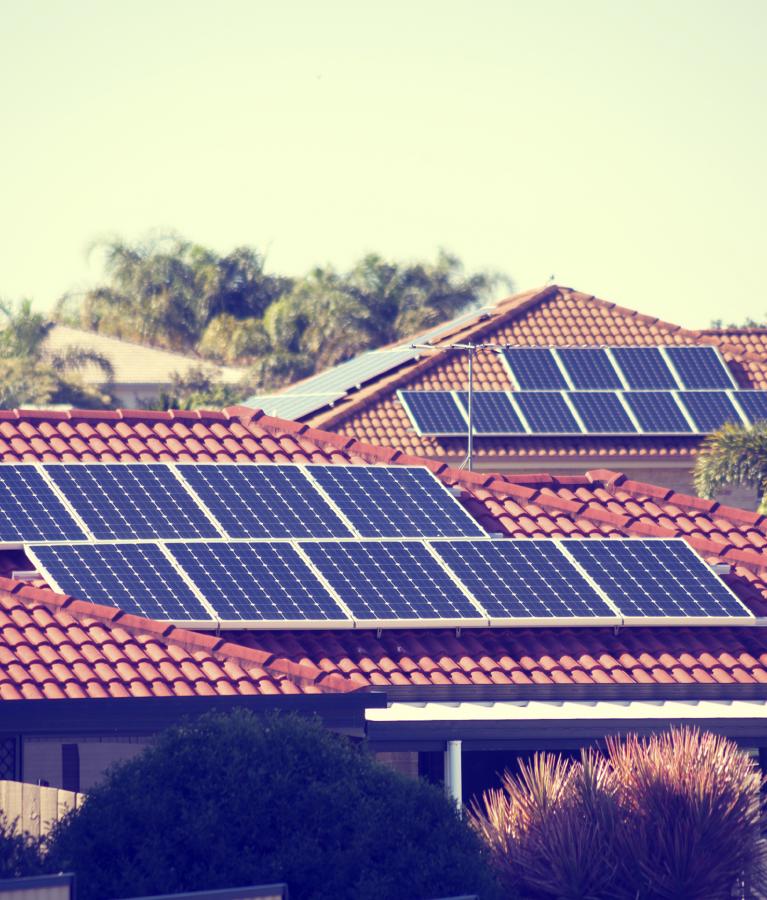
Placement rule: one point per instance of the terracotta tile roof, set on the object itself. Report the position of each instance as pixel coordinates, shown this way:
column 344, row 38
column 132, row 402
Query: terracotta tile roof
column 54, row 647
column 599, row 503
column 555, row 316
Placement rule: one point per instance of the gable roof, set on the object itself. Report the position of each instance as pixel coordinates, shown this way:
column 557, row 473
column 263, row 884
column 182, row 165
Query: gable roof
column 599, row 503
column 553, row 316
column 133, row 363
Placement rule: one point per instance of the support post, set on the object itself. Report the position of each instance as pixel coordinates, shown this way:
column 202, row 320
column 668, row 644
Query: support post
column 453, row 787
column 470, row 449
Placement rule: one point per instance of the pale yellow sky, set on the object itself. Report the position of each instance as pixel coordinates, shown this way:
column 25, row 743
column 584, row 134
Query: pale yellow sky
column 617, row 146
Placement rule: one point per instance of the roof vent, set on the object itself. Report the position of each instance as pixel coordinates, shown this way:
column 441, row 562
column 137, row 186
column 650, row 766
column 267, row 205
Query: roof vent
column 721, row 568
column 26, row 575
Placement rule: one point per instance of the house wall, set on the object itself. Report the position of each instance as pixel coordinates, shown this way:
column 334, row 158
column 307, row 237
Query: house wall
column 44, row 760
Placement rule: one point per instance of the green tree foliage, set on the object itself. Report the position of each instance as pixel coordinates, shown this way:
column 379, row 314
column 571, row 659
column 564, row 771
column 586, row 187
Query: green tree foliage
column 227, row 801
column 31, row 375
column 172, row 293
column 198, row 388
column 673, row 817
column 734, row 455
column 19, row 853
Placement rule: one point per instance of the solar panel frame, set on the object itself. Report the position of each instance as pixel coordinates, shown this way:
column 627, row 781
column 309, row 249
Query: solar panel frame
column 138, row 577
column 445, row 407
column 534, row 369
column 684, row 559
column 586, row 406
column 547, row 421
column 753, row 404
column 700, row 367
column 640, row 403
column 536, row 568
column 263, row 501
column 644, row 368
column 589, row 368
column 489, row 408
column 260, row 577
column 348, row 487
column 293, row 406
column 32, row 510
column 159, row 504
column 390, row 584
column 709, row 410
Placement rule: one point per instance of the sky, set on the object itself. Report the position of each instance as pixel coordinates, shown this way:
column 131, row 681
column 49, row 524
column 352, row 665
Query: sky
column 619, row 147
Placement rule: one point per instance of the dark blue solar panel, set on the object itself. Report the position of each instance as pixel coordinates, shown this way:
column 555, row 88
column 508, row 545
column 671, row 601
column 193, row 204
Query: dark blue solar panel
column 433, row 412
column 589, row 368
column 264, row 581
column 710, row 409
column 254, row 501
column 522, row 579
column 655, row 578
column 657, row 412
column 492, row 413
column 754, row 404
column 700, row 367
column 390, row 580
column 401, row 501
column 138, row 578
column 30, row 511
column 602, row 412
column 534, row 369
column 644, row 368
column 125, row 501
column 546, row 412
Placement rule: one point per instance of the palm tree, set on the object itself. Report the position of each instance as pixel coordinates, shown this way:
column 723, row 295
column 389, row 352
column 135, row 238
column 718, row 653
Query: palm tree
column 734, row 455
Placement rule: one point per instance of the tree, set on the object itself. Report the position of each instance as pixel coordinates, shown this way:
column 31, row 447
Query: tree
column 19, row 852
column 232, row 800
column 32, row 375
column 198, row 388
column 734, row 455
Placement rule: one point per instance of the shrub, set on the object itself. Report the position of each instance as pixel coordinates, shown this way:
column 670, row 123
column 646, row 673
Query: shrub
column 675, row 816
column 233, row 800
column 19, row 853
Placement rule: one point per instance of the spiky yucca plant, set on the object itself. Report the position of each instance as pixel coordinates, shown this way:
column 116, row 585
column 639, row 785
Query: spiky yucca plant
column 734, row 455
column 674, row 816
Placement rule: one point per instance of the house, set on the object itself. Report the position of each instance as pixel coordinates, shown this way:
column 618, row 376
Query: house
column 140, row 372
column 84, row 684
column 361, row 398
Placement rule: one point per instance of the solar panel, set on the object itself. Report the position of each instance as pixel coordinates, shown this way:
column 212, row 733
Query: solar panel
column 710, row 409
column 534, row 369
column 391, row 580
column 292, row 406
column 477, row 315
column 126, row 501
column 433, row 412
column 523, row 579
column 492, row 413
column 657, row 412
column 655, row 578
column 700, row 367
column 754, row 404
column 546, row 412
column 29, row 509
column 589, row 368
column 269, row 501
column 401, row 501
column 138, row 578
column 602, row 412
column 260, row 582
column 644, row 368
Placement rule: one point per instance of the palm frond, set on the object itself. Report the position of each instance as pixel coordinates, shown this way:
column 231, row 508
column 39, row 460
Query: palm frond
column 733, row 455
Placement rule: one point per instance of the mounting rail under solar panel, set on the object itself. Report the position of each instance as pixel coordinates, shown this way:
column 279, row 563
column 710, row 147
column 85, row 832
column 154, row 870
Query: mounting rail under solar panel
column 30, row 510
column 119, row 501
column 393, row 584
column 138, row 578
column 263, row 501
column 259, row 585
column 661, row 580
column 396, row 501
column 525, row 582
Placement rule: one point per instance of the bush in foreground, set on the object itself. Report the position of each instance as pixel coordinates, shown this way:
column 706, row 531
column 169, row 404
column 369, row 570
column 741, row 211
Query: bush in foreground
column 19, row 852
column 674, row 817
column 233, row 800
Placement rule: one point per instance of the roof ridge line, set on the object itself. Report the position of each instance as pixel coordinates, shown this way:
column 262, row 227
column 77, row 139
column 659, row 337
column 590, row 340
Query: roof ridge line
column 298, row 673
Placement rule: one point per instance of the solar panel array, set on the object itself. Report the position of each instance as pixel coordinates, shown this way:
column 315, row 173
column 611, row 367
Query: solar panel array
column 688, row 412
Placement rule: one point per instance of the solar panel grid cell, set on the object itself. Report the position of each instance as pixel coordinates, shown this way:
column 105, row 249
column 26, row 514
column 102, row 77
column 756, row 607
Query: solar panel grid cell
column 29, row 509
column 523, row 579
column 404, row 501
column 602, row 412
column 492, row 413
column 138, row 578
column 655, row 578
column 589, row 368
column 269, row 501
column 709, row 409
column 534, row 369
column 434, row 412
column 657, row 412
column 390, row 580
column 547, row 412
column 700, row 367
column 263, row 582
column 644, row 368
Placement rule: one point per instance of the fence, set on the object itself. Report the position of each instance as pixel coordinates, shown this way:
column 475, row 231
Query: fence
column 36, row 809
